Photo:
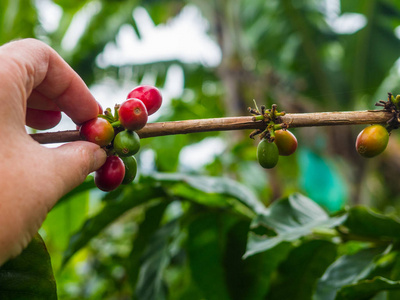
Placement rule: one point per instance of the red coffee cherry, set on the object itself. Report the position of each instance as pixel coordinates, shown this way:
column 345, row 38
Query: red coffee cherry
column 110, row 175
column 286, row 142
column 149, row 95
column 100, row 113
column 100, row 109
column 98, row 131
column 133, row 114
column 372, row 141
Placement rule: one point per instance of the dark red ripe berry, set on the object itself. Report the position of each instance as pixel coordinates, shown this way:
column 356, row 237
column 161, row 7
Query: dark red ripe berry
column 98, row 131
column 149, row 95
column 133, row 114
column 110, row 175
column 100, row 109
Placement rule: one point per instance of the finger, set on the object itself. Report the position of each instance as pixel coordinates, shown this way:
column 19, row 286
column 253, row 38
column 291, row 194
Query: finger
column 42, row 119
column 38, row 101
column 29, row 64
column 74, row 161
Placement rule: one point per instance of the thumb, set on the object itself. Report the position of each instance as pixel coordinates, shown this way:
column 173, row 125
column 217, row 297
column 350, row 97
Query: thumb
column 74, row 161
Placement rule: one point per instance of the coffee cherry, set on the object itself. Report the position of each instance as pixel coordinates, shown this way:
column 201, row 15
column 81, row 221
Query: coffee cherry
column 130, row 169
column 100, row 109
column 267, row 154
column 110, row 175
column 126, row 143
column 372, row 141
column 100, row 113
column 133, row 114
column 149, row 95
column 286, row 142
column 98, row 131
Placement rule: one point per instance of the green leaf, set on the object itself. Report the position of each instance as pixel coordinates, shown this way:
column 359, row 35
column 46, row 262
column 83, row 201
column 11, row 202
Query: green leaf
column 204, row 247
column 365, row 222
column 167, row 150
column 87, row 185
column 132, row 196
column 302, row 269
column 250, row 278
column 366, row 45
column 149, row 225
column 395, row 275
column 346, row 270
column 215, row 185
column 29, row 275
column 154, row 261
column 291, row 218
column 61, row 222
column 365, row 289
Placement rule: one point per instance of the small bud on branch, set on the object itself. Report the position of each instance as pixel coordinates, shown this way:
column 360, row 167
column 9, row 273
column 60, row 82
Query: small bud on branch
column 235, row 123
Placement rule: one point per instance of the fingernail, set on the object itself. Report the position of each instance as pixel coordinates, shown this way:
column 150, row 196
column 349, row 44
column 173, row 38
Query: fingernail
column 99, row 158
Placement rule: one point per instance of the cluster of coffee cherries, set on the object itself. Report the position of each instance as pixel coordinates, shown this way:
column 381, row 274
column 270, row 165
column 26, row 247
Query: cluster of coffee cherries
column 374, row 139
column 281, row 143
column 117, row 134
column 275, row 139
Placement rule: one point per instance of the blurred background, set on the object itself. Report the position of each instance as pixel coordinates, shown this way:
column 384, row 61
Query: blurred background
column 210, row 59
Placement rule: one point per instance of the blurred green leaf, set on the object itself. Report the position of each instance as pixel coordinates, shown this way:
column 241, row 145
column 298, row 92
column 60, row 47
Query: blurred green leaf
column 291, row 218
column 214, row 185
column 369, row 43
column 302, row 269
column 147, row 228
column 395, row 276
column 167, row 150
column 133, row 196
column 62, row 221
column 29, row 275
column 250, row 278
column 101, row 29
column 346, row 270
column 365, row 289
column 18, row 19
column 204, row 247
column 363, row 221
column 87, row 185
column 154, row 261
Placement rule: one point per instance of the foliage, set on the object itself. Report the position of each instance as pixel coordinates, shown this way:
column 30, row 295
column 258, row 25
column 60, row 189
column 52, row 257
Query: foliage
column 30, row 275
column 214, row 229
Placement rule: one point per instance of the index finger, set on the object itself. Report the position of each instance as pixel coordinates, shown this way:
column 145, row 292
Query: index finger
column 28, row 65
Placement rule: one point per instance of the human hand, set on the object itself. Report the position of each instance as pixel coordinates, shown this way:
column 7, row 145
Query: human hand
column 36, row 84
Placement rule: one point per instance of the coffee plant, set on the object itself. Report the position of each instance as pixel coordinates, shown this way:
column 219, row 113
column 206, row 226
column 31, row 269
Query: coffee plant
column 306, row 208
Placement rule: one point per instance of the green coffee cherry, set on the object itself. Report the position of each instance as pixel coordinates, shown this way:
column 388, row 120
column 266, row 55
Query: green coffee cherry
column 130, row 169
column 267, row 154
column 126, row 143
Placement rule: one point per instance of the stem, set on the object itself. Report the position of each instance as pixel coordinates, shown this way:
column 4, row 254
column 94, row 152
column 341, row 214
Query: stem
column 234, row 123
column 116, row 124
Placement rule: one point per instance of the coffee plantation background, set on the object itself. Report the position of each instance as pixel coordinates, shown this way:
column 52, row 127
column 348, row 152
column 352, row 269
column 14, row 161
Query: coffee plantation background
column 323, row 224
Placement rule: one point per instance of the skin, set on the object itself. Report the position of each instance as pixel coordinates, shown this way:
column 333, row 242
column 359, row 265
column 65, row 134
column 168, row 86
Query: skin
column 36, row 85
